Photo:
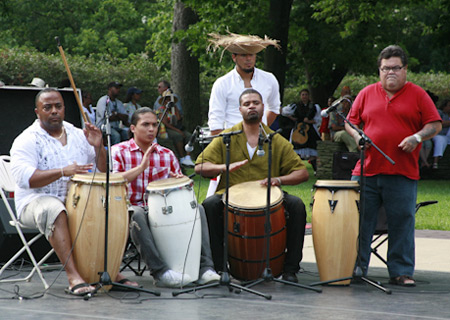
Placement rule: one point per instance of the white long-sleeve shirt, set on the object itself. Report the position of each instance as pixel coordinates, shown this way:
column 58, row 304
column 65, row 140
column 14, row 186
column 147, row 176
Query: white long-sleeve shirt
column 224, row 100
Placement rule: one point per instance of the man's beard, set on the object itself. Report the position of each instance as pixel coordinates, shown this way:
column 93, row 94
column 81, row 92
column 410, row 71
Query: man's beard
column 249, row 70
column 253, row 118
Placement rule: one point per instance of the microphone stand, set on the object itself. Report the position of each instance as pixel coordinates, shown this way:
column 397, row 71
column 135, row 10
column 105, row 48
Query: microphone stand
column 267, row 272
column 225, row 279
column 105, row 278
column 358, row 273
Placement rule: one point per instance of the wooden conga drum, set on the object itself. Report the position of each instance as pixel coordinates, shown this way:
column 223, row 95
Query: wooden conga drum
column 175, row 223
column 335, row 222
column 246, row 233
column 86, row 213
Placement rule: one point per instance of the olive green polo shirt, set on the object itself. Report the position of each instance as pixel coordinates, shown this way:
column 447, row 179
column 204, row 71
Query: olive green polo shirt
column 284, row 158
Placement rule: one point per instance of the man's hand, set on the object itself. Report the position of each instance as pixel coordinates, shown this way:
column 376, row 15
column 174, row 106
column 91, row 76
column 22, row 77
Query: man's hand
column 273, row 182
column 93, row 135
column 408, row 144
column 236, row 165
column 146, row 158
column 74, row 168
column 176, row 175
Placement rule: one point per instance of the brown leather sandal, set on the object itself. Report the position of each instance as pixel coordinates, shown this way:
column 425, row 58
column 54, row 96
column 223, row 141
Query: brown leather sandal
column 403, row 281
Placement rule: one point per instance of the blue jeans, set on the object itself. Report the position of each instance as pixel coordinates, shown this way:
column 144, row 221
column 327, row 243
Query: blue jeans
column 398, row 195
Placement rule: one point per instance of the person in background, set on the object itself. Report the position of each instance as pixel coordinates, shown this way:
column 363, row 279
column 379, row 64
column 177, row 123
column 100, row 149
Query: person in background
column 116, row 111
column 337, row 125
column 324, row 129
column 87, row 106
column 131, row 102
column 164, row 89
column 305, row 134
column 441, row 140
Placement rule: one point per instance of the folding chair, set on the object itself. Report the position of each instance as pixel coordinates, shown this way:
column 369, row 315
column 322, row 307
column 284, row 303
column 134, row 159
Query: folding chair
column 7, row 185
column 132, row 254
column 382, row 230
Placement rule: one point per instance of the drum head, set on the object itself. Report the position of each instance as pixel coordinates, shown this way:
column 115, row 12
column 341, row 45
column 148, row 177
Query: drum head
column 252, row 195
column 99, row 178
column 337, row 184
column 168, row 183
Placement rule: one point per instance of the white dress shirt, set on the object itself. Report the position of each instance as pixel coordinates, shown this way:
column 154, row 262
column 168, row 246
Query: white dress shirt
column 224, row 100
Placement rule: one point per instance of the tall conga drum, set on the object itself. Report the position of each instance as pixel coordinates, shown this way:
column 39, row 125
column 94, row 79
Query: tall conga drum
column 175, row 223
column 335, row 222
column 247, row 247
column 86, row 212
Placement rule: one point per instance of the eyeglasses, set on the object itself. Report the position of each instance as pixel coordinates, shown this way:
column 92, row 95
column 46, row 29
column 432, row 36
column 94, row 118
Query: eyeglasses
column 395, row 69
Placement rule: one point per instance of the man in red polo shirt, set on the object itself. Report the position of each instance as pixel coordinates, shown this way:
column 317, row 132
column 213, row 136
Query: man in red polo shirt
column 397, row 116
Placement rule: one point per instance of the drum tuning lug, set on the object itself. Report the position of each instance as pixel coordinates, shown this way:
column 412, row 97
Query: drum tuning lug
column 75, row 201
column 103, row 200
column 167, row 210
column 193, row 204
column 332, row 204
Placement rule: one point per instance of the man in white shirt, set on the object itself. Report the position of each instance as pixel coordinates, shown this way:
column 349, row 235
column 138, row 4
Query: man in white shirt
column 43, row 158
column 224, row 100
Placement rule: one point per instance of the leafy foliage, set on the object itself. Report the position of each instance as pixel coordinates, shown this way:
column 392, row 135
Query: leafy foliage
column 327, row 38
column 19, row 66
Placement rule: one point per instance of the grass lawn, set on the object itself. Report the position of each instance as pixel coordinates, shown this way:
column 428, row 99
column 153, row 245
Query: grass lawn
column 432, row 217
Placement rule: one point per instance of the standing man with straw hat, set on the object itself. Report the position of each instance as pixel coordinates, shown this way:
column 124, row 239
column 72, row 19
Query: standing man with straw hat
column 224, row 100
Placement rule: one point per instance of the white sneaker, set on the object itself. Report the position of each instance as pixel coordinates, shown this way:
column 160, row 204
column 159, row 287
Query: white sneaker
column 187, row 161
column 172, row 278
column 208, row 276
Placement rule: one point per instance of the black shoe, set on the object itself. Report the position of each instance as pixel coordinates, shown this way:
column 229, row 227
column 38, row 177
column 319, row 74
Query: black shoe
column 289, row 276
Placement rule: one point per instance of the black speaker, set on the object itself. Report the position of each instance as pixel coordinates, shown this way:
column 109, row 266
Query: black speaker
column 343, row 164
column 18, row 112
column 10, row 241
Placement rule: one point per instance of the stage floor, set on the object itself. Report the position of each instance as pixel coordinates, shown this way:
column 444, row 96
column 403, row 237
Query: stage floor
column 428, row 300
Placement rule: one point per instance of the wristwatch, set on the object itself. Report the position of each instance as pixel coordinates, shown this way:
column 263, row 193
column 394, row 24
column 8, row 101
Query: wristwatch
column 418, row 137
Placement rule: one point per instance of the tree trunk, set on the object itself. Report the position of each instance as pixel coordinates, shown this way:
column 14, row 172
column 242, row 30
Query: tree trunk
column 321, row 91
column 185, row 68
column 274, row 59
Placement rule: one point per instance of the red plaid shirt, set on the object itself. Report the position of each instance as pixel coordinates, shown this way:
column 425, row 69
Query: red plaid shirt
column 127, row 155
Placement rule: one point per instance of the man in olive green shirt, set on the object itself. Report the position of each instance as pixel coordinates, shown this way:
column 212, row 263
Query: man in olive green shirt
column 287, row 168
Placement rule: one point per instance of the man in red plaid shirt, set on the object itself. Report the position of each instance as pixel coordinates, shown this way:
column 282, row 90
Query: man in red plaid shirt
column 141, row 161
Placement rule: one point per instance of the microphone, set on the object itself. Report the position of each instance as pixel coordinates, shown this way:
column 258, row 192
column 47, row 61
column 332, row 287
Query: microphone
column 276, row 132
column 190, row 145
column 331, row 108
column 261, row 140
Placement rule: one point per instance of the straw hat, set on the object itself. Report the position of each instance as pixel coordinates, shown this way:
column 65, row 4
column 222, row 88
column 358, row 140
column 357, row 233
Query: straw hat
column 240, row 44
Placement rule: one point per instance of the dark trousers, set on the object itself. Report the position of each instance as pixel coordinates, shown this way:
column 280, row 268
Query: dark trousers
column 295, row 224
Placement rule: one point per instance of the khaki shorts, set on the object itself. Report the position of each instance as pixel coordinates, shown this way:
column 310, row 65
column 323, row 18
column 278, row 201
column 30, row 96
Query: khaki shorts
column 41, row 213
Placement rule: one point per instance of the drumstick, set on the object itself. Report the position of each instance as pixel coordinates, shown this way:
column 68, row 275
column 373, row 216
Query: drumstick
column 74, row 88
